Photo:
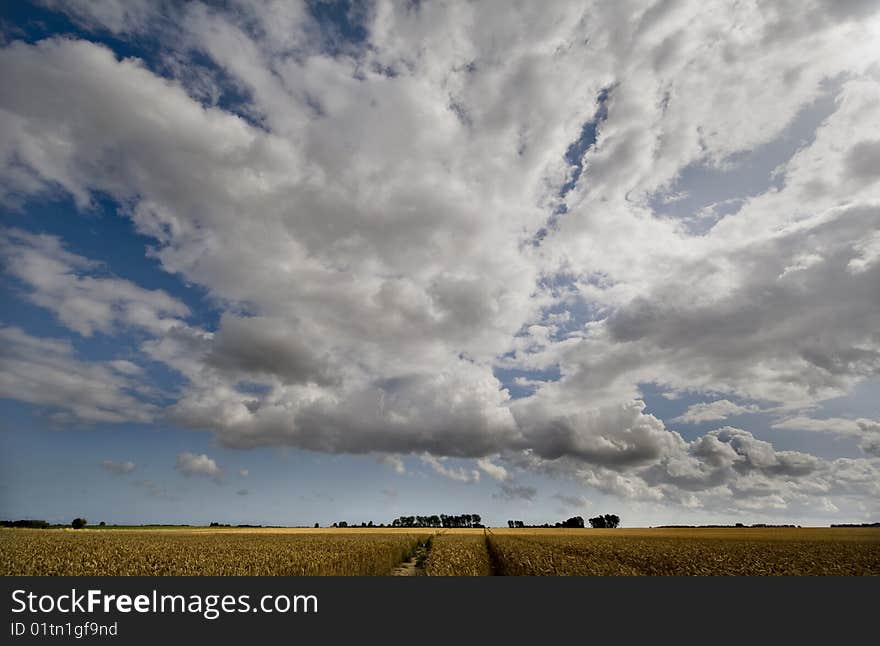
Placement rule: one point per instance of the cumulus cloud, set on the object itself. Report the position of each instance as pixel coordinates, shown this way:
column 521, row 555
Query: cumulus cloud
column 615, row 435
column 244, row 473
column 713, row 411
column 340, row 216
column 201, row 465
column 118, row 468
column 249, row 346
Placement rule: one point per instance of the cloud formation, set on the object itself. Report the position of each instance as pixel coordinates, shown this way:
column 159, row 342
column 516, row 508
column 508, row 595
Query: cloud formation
column 493, row 470
column 453, row 473
column 190, row 464
column 47, row 372
column 72, row 288
column 387, row 225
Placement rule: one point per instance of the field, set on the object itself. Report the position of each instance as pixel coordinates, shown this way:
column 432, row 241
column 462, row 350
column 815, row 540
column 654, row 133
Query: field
column 753, row 551
column 459, row 554
column 201, row 552
column 285, row 552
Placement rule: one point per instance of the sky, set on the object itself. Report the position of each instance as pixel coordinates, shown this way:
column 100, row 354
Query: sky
column 288, row 263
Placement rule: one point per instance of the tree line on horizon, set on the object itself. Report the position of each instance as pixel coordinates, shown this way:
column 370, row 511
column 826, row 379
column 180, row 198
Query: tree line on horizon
column 435, row 521
column 441, row 521
column 607, row 521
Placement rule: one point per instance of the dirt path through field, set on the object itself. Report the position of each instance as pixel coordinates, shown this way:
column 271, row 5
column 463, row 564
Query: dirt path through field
column 415, row 565
column 408, row 568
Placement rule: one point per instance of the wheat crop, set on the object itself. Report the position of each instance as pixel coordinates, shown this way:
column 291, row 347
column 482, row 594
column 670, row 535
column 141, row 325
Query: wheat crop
column 458, row 555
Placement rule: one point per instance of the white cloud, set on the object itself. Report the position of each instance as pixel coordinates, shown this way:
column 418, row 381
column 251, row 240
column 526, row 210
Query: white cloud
column 190, row 464
column 70, row 287
column 493, row 470
column 866, row 430
column 117, row 16
column 453, row 473
column 244, row 473
column 868, row 253
column 836, row 425
column 47, row 372
column 713, row 411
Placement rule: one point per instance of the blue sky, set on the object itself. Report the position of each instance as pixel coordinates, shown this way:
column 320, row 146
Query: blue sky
column 287, row 264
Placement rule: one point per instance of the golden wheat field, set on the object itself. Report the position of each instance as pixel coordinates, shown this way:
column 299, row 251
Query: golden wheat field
column 538, row 552
column 459, row 554
column 205, row 552
column 748, row 551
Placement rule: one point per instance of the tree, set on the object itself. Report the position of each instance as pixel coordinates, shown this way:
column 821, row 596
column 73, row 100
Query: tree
column 575, row 521
column 102, row 524
column 608, row 520
column 79, row 523
column 317, row 525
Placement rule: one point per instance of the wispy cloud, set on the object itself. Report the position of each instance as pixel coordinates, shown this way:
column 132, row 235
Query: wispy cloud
column 393, row 461
column 495, row 471
column 459, row 474
column 713, row 411
column 118, row 468
column 511, row 491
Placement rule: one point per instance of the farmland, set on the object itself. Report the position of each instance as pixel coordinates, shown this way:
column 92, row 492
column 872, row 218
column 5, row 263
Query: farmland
column 511, row 552
column 752, row 551
column 459, row 554
column 202, row 552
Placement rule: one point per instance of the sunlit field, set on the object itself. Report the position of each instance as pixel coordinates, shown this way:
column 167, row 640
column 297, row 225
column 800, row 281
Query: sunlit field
column 203, row 551
column 474, row 552
column 748, row 551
